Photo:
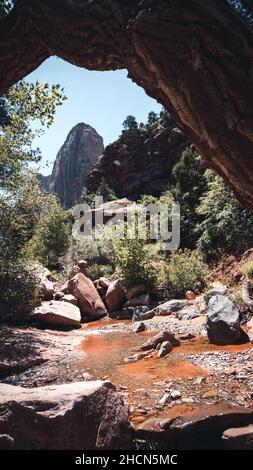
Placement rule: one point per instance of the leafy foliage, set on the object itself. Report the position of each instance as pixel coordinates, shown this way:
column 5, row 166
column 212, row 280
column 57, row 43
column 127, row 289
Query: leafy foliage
column 23, row 104
column 21, row 199
column 130, row 123
column 133, row 261
column 188, row 186
column 226, row 225
column 152, row 118
column 184, row 271
column 247, row 269
column 103, row 191
column 18, row 287
column 95, row 271
column 52, row 234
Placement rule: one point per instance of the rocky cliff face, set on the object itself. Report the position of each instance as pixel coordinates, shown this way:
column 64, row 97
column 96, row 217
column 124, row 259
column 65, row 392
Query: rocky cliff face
column 74, row 161
column 140, row 161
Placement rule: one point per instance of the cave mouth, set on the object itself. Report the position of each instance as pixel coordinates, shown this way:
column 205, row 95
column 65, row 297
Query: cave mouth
column 201, row 75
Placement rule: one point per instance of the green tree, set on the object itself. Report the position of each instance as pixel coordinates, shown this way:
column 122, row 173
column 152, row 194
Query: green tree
column 152, row 118
column 130, row 123
column 133, row 261
column 23, row 104
column 51, row 238
column 226, row 225
column 188, row 186
column 21, row 200
column 105, row 191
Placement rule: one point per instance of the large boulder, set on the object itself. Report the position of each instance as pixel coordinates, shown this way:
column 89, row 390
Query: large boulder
column 88, row 299
column 55, row 313
column 81, row 415
column 102, row 285
column 223, row 323
column 115, row 296
column 83, row 266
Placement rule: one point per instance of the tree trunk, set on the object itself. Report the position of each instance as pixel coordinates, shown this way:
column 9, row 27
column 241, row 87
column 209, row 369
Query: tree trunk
column 194, row 56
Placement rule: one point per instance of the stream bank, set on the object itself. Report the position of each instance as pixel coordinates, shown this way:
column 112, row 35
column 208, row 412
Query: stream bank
column 196, row 382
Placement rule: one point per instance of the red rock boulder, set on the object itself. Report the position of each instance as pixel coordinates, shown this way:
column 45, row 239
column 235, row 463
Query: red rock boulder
column 81, row 415
column 88, row 299
column 115, row 295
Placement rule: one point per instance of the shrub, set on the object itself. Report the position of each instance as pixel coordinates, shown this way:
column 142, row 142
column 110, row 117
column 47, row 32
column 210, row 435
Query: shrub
column 95, row 271
column 18, row 288
column 247, row 269
column 185, row 271
column 99, row 250
column 52, row 235
column 133, row 261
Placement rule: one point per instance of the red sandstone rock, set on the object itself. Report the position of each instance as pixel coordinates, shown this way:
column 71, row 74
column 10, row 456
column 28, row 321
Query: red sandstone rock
column 57, row 314
column 239, row 438
column 80, row 415
column 47, row 289
column 115, row 295
column 190, row 295
column 250, row 330
column 160, row 338
column 88, row 299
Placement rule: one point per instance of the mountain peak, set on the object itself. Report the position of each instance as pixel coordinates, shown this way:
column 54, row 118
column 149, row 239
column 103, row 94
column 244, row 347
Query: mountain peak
column 74, row 161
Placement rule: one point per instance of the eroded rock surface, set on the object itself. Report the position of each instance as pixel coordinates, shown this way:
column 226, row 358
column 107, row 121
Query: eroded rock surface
column 80, row 415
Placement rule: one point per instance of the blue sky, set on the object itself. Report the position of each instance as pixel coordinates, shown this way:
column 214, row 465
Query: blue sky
column 101, row 99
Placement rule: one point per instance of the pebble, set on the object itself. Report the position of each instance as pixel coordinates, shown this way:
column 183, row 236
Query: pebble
column 164, row 399
column 189, row 401
column 123, row 387
column 230, row 371
column 138, row 327
column 209, row 394
column 198, row 381
column 175, row 395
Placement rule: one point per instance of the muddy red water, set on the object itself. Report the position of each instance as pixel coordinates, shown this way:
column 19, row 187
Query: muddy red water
column 143, row 383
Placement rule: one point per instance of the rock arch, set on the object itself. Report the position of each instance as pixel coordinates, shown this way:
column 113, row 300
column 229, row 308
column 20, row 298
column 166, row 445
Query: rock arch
column 194, row 56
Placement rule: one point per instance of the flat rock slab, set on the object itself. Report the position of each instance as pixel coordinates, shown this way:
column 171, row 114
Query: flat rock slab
column 80, row 415
column 48, row 352
column 239, row 438
column 56, row 313
column 198, row 420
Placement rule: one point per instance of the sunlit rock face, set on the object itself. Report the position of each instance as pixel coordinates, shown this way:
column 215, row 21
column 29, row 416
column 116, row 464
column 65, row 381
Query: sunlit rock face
column 140, row 161
column 74, row 161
